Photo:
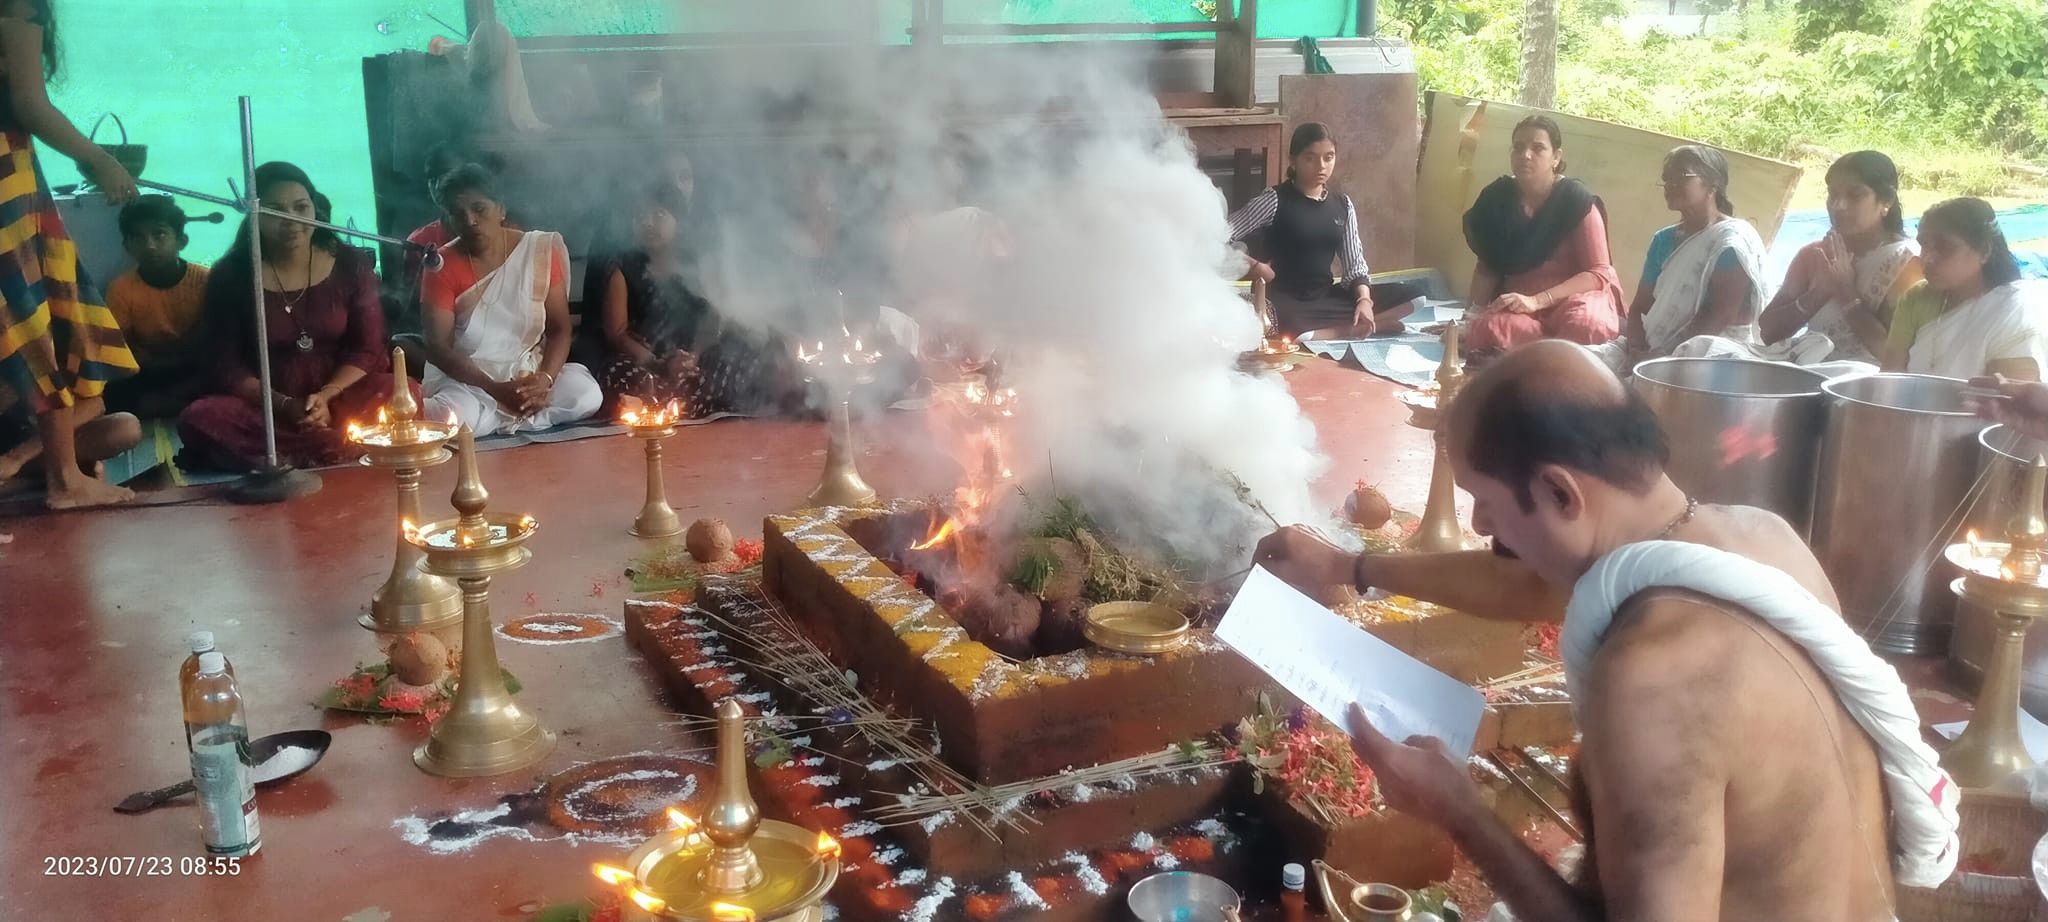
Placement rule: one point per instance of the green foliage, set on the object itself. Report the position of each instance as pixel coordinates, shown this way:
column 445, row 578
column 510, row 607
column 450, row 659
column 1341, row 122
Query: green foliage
column 1818, row 20
column 1034, row 571
column 1952, row 93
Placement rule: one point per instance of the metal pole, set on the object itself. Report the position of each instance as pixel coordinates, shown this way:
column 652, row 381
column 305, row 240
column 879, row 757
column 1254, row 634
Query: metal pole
column 256, row 282
column 243, row 206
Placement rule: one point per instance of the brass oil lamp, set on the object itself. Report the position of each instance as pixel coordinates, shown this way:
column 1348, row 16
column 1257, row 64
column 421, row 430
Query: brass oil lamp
column 732, row 866
column 657, row 519
column 2005, row 577
column 840, row 484
column 1439, row 529
column 411, row 599
column 484, row 732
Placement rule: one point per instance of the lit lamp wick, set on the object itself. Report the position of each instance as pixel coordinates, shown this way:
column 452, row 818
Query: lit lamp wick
column 647, row 901
column 727, row 912
column 828, row 847
column 683, row 824
column 611, row 875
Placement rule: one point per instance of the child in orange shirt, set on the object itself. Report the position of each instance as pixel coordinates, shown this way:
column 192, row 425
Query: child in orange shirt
column 159, row 306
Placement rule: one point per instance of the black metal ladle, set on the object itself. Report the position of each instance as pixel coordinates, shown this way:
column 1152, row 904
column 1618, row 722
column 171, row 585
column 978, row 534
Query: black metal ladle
column 261, row 751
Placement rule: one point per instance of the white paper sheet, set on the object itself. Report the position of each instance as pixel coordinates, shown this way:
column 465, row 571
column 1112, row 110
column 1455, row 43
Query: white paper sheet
column 1330, row 663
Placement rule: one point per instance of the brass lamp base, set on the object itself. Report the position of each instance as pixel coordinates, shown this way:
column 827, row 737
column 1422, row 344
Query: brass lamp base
column 503, row 740
column 1439, row 530
column 841, row 483
column 419, row 601
column 657, row 519
column 657, row 522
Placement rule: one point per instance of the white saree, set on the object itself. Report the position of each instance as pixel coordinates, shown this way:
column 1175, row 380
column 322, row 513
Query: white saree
column 1682, row 290
column 499, row 324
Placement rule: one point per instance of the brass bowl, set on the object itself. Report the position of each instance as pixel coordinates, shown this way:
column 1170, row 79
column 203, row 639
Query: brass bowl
column 425, row 448
column 503, row 549
column 1135, row 627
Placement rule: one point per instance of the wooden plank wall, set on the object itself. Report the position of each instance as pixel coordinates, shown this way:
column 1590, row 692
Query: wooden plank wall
column 1465, row 146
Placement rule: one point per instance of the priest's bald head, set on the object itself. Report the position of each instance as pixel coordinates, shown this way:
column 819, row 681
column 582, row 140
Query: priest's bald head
column 1562, row 459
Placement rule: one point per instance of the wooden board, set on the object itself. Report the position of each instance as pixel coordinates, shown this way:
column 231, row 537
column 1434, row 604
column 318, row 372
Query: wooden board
column 1465, row 146
column 1372, row 119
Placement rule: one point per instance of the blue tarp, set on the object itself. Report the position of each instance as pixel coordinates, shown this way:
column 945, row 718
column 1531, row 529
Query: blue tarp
column 2026, row 228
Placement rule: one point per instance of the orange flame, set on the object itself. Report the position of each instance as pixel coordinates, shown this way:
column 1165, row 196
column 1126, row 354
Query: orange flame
column 937, row 537
column 645, row 900
column 611, row 875
column 681, row 822
column 727, row 912
column 828, row 847
column 355, row 430
column 410, row 530
column 383, row 415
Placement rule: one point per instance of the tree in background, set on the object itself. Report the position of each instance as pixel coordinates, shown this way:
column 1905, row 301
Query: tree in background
column 1819, row 19
column 1539, row 54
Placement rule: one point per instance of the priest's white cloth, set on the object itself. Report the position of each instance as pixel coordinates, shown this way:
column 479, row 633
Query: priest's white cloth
column 1923, row 797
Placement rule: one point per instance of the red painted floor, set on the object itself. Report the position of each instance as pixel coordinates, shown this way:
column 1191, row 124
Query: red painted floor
column 94, row 608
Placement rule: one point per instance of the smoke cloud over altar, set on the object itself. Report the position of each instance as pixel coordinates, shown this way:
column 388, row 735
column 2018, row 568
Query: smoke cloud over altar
column 1107, row 295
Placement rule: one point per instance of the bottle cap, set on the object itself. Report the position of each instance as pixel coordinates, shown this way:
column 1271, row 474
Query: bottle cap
column 199, row 641
column 1293, row 876
column 212, row 663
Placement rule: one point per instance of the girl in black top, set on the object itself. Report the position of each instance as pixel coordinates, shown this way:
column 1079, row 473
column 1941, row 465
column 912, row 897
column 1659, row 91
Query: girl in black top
column 663, row 338
column 1307, row 229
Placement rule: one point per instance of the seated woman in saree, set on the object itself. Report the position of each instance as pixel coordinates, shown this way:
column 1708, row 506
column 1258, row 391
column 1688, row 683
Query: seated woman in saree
column 663, row 340
column 1703, row 276
column 1541, row 239
column 328, row 359
column 1307, row 228
column 497, row 320
column 1973, row 315
column 1836, row 304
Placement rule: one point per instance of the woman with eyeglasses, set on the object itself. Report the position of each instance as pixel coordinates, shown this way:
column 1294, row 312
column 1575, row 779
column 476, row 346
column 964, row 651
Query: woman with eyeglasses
column 1704, row 275
column 1973, row 315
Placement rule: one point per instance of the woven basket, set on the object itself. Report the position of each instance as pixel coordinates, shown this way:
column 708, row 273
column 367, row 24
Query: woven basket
column 131, row 157
column 1999, row 832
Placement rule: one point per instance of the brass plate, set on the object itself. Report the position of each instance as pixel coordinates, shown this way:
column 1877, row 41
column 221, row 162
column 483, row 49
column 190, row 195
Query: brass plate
column 1135, row 627
column 794, row 877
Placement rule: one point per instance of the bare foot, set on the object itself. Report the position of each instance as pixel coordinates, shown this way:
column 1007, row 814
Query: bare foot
column 11, row 465
column 86, row 492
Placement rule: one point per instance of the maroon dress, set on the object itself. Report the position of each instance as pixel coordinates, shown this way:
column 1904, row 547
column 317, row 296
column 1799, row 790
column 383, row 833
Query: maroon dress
column 338, row 321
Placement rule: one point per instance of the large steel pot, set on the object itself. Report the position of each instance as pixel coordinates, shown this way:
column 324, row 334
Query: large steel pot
column 1896, row 465
column 2003, row 455
column 1742, row 432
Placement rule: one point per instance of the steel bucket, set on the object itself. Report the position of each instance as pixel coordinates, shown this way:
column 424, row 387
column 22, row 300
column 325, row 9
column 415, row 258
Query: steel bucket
column 2003, row 455
column 1742, row 432
column 1896, row 465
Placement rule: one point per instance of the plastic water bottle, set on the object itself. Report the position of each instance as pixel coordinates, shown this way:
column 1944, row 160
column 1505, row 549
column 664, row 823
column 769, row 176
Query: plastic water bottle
column 217, row 732
column 199, row 642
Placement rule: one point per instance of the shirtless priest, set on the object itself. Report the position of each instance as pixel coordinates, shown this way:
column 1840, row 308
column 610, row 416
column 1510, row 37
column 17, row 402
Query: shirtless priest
column 1741, row 745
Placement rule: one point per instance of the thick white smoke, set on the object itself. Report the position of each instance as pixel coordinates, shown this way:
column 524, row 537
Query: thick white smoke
column 1108, row 294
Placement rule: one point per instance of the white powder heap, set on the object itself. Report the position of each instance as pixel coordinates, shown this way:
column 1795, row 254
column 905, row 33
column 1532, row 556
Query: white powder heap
column 882, row 765
column 1080, row 793
column 283, row 762
column 888, row 857
column 1084, row 871
column 821, row 781
column 860, row 829
column 754, row 698
column 1213, row 828
column 911, row 876
column 933, row 822
column 844, row 802
column 1023, row 891
column 1165, row 861
column 1144, row 842
column 927, row 908
column 812, row 762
